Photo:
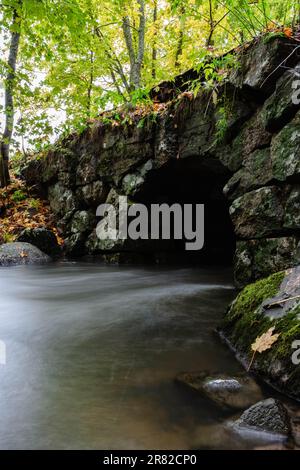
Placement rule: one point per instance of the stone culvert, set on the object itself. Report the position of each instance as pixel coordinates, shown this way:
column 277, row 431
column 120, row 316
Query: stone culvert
column 248, row 176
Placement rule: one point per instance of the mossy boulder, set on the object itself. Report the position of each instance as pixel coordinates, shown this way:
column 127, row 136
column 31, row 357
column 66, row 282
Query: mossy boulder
column 269, row 302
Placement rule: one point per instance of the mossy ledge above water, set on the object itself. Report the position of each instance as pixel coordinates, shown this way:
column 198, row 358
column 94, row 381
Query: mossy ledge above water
column 252, row 313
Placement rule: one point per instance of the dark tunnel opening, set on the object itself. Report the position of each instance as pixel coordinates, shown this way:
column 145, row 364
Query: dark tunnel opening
column 191, row 181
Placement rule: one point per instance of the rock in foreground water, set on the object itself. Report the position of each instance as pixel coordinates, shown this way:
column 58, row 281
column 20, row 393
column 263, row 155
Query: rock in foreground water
column 268, row 415
column 13, row 254
column 237, row 392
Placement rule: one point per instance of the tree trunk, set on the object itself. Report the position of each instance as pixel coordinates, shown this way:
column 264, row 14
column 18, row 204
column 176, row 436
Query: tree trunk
column 90, row 85
column 209, row 41
column 154, row 47
column 179, row 48
column 9, row 98
column 136, row 57
column 141, row 45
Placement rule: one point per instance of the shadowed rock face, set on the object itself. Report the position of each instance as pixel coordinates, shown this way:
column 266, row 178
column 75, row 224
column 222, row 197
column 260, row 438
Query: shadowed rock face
column 248, row 175
column 41, row 238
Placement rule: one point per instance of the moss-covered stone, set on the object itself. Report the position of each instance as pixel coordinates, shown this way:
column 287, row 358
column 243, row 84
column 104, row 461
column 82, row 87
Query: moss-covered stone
column 247, row 319
column 244, row 319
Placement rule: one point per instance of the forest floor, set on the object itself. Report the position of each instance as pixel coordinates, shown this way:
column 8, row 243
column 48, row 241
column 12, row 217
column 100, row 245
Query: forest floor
column 20, row 209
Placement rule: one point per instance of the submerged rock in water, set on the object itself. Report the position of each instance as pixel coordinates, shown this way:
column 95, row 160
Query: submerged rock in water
column 268, row 416
column 13, row 254
column 237, row 392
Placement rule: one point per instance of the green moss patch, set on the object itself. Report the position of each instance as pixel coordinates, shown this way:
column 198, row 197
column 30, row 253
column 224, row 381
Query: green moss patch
column 254, row 294
column 246, row 321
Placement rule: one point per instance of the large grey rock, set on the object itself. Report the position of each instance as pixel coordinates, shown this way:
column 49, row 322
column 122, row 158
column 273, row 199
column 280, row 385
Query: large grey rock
column 92, row 194
column 267, row 212
column 255, row 173
column 280, row 107
column 60, row 165
column 237, row 392
column 251, row 137
column 42, row 238
column 259, row 66
column 87, row 169
column 13, row 254
column 285, row 151
column 268, row 415
column 292, row 210
column 258, row 213
column 255, row 259
column 132, row 182
column 198, row 130
column 124, row 148
column 83, row 221
column 62, row 199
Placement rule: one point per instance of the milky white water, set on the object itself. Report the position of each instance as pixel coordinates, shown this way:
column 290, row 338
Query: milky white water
column 93, row 350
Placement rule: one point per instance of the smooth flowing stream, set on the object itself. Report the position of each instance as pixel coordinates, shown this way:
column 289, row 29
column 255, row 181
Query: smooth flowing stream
column 92, row 352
